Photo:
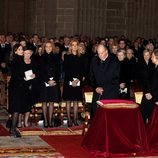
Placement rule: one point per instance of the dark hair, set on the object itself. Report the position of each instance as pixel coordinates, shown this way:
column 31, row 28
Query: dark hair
column 16, row 46
column 27, row 47
column 22, row 39
column 35, row 35
column 122, row 40
column 57, row 44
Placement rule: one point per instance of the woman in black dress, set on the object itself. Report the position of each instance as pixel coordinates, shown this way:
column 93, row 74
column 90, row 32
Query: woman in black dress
column 49, row 76
column 150, row 96
column 145, row 69
column 74, row 74
column 30, row 76
column 16, row 91
column 121, row 55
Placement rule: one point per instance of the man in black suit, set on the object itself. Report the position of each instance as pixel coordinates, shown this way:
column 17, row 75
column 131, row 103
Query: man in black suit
column 104, row 76
column 5, row 50
column 35, row 42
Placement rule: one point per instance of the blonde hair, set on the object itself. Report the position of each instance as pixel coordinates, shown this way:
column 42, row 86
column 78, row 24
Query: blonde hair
column 70, row 47
column 44, row 47
column 83, row 47
column 121, row 51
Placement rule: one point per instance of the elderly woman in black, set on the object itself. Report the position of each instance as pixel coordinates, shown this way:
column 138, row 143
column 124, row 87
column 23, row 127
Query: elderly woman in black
column 30, row 77
column 150, row 96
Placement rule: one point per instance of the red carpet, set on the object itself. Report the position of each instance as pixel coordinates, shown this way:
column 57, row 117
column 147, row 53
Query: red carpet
column 3, row 131
column 69, row 146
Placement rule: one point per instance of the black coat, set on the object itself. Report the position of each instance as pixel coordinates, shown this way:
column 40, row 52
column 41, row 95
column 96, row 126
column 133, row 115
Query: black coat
column 50, row 67
column 73, row 68
column 144, row 73
column 152, row 88
column 20, row 92
column 127, row 74
column 106, row 75
column 33, row 83
column 4, row 56
column 153, row 85
column 130, row 65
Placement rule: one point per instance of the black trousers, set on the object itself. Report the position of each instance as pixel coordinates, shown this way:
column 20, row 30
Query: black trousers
column 146, row 108
column 94, row 105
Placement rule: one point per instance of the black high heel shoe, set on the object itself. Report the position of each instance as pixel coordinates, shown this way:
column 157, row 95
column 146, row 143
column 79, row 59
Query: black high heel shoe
column 69, row 124
column 26, row 125
column 45, row 125
column 76, row 123
column 50, row 125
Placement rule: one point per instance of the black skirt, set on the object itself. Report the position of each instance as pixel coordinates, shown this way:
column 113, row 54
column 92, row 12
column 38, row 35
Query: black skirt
column 72, row 93
column 50, row 94
column 19, row 99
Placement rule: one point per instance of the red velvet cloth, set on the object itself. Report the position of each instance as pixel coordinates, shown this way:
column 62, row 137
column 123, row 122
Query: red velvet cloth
column 108, row 101
column 116, row 131
column 152, row 131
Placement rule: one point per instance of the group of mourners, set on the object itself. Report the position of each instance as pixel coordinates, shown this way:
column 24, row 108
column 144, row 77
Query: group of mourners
column 52, row 70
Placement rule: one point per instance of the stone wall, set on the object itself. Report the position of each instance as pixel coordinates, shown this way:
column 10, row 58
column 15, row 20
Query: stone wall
column 116, row 17
column 2, row 15
column 89, row 17
column 66, row 17
column 12, row 15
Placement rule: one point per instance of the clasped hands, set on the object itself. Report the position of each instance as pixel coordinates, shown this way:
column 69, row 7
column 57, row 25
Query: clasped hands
column 3, row 65
column 51, row 83
column 75, row 82
column 99, row 90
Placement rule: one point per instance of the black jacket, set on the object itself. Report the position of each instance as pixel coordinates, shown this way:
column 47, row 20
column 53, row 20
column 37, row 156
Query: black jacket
column 105, row 74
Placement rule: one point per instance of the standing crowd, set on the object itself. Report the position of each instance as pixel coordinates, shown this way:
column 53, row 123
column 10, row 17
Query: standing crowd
column 38, row 66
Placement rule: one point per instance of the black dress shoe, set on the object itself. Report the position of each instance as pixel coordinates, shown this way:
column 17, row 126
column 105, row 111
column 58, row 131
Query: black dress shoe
column 15, row 133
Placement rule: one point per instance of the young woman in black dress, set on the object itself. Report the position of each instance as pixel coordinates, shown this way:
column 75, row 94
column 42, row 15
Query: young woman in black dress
column 74, row 74
column 150, row 96
column 16, row 88
column 49, row 77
